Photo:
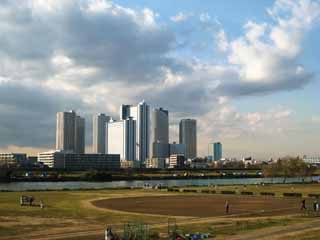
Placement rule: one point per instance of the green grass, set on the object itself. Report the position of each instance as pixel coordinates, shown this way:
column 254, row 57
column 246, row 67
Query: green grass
column 67, row 206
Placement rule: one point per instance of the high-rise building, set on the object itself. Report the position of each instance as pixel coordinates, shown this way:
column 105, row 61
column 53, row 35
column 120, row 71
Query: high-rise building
column 188, row 136
column 217, row 151
column 100, row 133
column 65, row 131
column 141, row 115
column 70, row 132
column 160, row 133
column 79, row 135
column 122, row 138
column 124, row 111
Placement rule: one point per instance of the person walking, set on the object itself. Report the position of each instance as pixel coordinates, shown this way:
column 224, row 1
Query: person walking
column 227, row 207
column 315, row 203
column 303, row 205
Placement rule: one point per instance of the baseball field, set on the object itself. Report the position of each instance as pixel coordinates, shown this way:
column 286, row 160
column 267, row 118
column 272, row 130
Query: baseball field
column 86, row 214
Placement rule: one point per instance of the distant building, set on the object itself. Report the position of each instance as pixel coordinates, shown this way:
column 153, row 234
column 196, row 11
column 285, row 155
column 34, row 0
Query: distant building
column 175, row 148
column 77, row 161
column 70, row 132
column 188, row 136
column 99, row 144
column 312, row 160
column 160, row 133
column 122, row 138
column 156, row 163
column 217, row 154
column 80, row 135
column 13, row 158
column 141, row 114
column 176, row 161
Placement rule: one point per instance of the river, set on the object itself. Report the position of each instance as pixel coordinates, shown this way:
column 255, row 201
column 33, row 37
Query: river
column 24, row 186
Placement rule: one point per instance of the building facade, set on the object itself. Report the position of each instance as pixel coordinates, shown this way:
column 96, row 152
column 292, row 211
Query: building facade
column 177, row 148
column 100, row 134
column 176, row 161
column 79, row 135
column 160, row 133
column 78, row 161
column 217, row 151
column 70, row 132
column 122, row 138
column 188, row 136
column 141, row 114
column 13, row 158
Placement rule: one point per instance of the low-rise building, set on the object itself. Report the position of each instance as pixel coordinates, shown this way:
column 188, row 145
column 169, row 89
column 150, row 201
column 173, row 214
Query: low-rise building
column 13, row 158
column 177, row 148
column 156, row 163
column 176, row 161
column 313, row 160
column 78, row 161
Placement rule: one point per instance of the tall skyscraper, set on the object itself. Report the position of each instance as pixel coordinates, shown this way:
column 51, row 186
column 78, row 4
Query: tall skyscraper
column 217, row 151
column 79, row 135
column 160, row 133
column 124, row 111
column 122, row 138
column 141, row 115
column 100, row 133
column 65, row 131
column 188, row 136
column 70, row 132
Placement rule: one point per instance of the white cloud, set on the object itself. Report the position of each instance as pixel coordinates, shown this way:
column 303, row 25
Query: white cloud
column 222, row 41
column 180, row 17
column 205, row 17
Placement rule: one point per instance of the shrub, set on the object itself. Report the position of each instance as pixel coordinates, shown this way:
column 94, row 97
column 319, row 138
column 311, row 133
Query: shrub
column 246, row 193
column 267, row 194
column 292, row 194
column 228, row 192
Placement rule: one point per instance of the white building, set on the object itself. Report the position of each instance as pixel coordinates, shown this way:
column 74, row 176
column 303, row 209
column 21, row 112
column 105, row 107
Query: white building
column 122, row 138
column 141, row 115
column 188, row 136
column 160, row 133
column 70, row 132
column 79, row 161
column 100, row 133
column 313, row 160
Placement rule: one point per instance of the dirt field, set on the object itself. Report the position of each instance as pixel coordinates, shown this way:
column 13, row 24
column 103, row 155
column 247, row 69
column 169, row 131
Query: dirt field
column 204, row 205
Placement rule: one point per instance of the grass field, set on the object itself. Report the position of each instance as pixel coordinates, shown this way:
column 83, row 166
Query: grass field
column 71, row 214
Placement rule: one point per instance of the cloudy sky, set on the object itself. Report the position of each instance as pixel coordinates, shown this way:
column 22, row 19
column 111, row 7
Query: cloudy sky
column 248, row 71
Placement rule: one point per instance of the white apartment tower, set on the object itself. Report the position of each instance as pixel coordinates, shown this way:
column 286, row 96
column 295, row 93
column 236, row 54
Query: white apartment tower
column 141, row 115
column 122, row 138
column 160, row 133
column 188, row 136
column 70, row 132
column 100, row 134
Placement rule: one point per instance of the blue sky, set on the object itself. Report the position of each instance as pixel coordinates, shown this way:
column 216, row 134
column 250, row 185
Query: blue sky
column 248, row 71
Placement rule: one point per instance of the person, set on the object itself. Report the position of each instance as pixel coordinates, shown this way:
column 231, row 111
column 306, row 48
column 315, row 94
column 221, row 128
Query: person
column 315, row 203
column 303, row 205
column 41, row 204
column 227, row 207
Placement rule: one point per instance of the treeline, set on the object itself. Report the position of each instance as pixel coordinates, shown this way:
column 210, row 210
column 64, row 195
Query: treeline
column 288, row 167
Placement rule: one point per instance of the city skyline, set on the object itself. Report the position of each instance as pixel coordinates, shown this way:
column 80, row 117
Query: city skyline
column 248, row 73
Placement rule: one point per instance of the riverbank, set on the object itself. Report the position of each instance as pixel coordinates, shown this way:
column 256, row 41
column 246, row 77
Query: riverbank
column 85, row 185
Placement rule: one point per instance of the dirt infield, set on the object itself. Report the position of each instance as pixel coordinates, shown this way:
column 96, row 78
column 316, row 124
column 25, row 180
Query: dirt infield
column 204, row 205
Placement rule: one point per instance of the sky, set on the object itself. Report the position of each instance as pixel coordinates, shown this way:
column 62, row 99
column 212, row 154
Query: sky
column 248, row 71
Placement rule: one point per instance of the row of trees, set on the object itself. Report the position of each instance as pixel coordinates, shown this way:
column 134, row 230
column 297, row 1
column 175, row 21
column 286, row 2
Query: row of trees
column 288, row 167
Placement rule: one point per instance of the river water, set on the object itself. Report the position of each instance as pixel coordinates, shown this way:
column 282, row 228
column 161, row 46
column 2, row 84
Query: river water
column 24, row 186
